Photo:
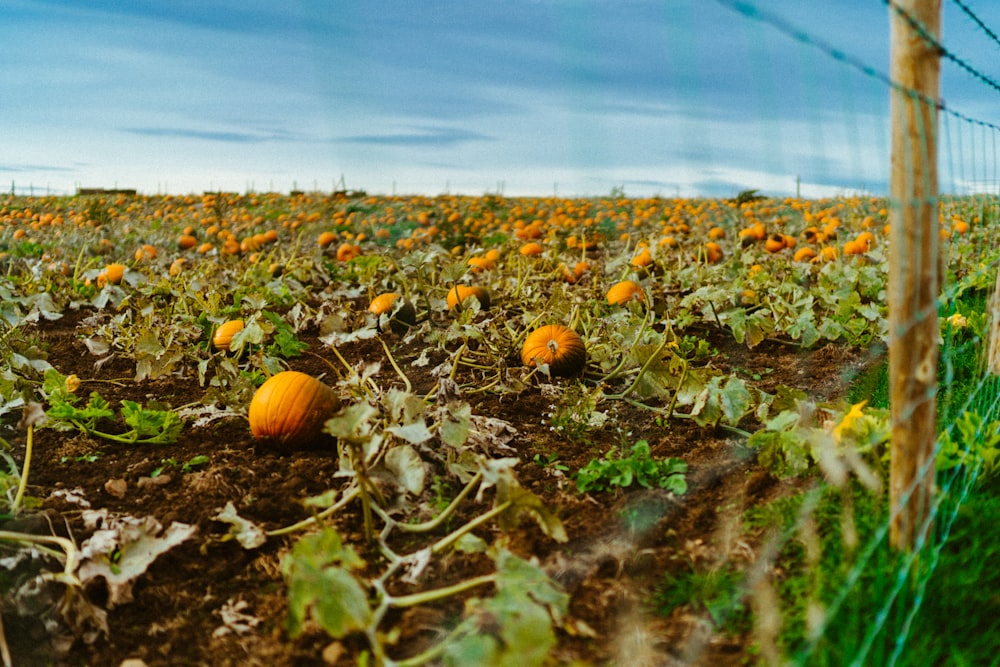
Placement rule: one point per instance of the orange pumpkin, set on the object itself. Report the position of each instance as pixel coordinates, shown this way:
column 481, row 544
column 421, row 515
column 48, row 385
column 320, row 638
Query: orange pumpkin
column 187, row 241
column 558, row 346
column 400, row 318
column 459, row 293
column 642, row 259
column 804, row 255
column 224, row 334
column 290, row 408
column 113, row 273
column 624, row 291
column 530, row 249
column 855, row 247
column 713, row 252
column 347, row 251
column 325, row 239
column 477, row 264
column 775, row 243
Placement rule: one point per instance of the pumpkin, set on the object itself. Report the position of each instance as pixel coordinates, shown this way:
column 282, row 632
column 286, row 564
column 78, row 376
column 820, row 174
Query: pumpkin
column 400, row 318
column 290, row 408
column 325, row 239
column 187, row 241
column 459, row 293
column 224, row 334
column 347, row 251
column 623, row 292
column 477, row 264
column 530, row 249
column 556, row 345
column 642, row 259
column 804, row 255
column 113, row 273
column 775, row 243
column 713, row 252
column 867, row 239
column 855, row 247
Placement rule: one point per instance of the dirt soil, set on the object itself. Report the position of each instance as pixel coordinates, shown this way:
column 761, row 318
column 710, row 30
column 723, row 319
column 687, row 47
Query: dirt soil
column 212, row 602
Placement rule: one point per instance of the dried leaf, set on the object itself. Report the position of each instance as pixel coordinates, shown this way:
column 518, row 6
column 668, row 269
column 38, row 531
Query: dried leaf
column 124, row 548
column 247, row 533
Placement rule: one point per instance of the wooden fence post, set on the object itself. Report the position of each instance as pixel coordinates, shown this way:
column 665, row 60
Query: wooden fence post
column 993, row 360
column 914, row 282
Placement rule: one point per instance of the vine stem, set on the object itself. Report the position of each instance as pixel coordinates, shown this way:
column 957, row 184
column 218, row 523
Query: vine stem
column 68, row 575
column 436, row 594
column 395, row 366
column 357, row 460
column 432, row 524
column 23, row 482
column 454, row 536
column 328, row 512
column 642, row 370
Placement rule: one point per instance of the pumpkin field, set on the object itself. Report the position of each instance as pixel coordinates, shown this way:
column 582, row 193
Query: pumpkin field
column 336, row 429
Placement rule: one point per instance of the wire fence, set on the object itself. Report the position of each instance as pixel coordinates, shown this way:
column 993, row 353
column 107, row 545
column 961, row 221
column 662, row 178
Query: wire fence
column 868, row 596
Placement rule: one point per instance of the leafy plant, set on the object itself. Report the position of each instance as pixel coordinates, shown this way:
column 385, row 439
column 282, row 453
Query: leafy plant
column 794, row 440
column 717, row 591
column 638, row 468
column 152, row 424
column 974, row 444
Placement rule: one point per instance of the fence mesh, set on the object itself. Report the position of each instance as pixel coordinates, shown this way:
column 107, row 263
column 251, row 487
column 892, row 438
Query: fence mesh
column 867, row 604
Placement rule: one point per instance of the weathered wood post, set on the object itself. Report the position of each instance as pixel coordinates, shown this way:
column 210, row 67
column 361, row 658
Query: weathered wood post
column 914, row 281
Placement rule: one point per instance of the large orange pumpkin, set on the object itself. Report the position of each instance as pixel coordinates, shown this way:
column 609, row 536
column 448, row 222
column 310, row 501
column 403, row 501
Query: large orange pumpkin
column 459, row 293
column 290, row 408
column 224, row 334
column 556, row 345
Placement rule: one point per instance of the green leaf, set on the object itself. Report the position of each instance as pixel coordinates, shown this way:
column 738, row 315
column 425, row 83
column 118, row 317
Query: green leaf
column 455, row 424
column 735, row 400
column 321, row 586
column 286, row 343
column 150, row 424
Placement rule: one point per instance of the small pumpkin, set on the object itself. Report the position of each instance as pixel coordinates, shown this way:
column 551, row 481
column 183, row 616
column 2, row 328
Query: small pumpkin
column 459, row 293
column 556, row 345
column 713, row 252
column 642, row 259
column 477, row 264
column 400, row 317
column 531, row 249
column 775, row 243
column 224, row 334
column 347, row 251
column 625, row 291
column 291, row 408
column 113, row 273
column 804, row 255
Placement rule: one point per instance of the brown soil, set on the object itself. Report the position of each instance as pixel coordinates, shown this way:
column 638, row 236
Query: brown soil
column 609, row 569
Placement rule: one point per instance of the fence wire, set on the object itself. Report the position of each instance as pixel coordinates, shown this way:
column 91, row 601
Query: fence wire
column 871, row 617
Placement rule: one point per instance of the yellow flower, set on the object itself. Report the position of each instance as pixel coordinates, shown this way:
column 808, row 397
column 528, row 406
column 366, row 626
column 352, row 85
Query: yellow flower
column 958, row 321
column 847, row 423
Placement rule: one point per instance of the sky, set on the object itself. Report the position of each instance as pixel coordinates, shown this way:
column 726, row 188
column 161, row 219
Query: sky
column 513, row 97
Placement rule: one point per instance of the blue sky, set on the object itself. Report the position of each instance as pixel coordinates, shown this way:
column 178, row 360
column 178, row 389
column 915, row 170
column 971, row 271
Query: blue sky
column 523, row 97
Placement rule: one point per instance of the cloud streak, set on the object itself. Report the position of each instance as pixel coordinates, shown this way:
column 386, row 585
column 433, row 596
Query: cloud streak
column 420, row 136
column 208, row 135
